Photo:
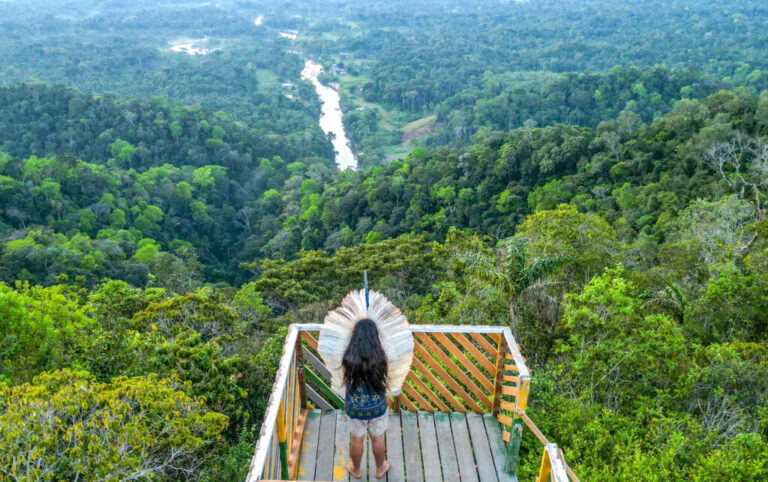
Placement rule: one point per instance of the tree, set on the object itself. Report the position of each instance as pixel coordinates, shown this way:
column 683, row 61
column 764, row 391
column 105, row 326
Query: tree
column 129, row 428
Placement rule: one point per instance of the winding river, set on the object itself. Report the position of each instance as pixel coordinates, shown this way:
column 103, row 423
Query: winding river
column 330, row 119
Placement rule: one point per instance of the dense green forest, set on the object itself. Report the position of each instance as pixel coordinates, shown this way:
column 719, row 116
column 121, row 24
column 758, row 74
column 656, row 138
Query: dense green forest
column 593, row 174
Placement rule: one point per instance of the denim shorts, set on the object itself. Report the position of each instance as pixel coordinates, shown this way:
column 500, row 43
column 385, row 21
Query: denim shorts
column 375, row 426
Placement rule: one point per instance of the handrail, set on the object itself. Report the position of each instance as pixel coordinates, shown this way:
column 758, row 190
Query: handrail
column 275, row 407
column 555, row 461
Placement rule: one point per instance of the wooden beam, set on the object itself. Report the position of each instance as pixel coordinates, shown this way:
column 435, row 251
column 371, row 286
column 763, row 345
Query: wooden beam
column 311, row 340
column 522, row 368
column 504, row 420
column 507, row 390
column 319, row 401
column 408, row 403
column 532, row 426
column 316, row 363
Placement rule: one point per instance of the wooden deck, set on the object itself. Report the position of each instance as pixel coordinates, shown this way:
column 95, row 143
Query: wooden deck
column 421, row 446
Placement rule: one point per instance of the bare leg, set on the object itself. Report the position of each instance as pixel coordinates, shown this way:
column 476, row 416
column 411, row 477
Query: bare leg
column 356, row 446
column 379, row 452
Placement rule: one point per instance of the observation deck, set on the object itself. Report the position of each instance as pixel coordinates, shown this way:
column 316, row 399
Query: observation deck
column 460, row 416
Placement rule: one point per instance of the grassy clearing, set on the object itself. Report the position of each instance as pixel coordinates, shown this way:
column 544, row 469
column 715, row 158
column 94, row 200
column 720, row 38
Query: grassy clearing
column 267, row 80
column 419, row 123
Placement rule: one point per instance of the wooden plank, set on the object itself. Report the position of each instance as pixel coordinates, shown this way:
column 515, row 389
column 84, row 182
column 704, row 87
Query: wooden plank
column 394, row 440
column 486, row 329
column 323, row 389
column 326, row 446
column 300, row 376
column 448, row 461
column 429, row 452
column 364, row 460
column 505, row 436
column 513, row 348
column 417, row 397
column 494, row 336
column 295, row 448
column 504, row 420
column 316, row 363
column 319, row 401
column 371, row 460
column 507, row 390
column 486, row 470
column 413, row 378
column 498, row 383
column 498, row 450
column 511, row 379
column 447, row 379
column 485, row 345
column 508, row 406
column 311, row 340
column 341, row 452
column 475, row 352
column 511, row 368
column 424, row 371
column 458, row 373
column 411, row 448
column 532, row 427
column 465, row 362
column 308, row 457
column 463, row 445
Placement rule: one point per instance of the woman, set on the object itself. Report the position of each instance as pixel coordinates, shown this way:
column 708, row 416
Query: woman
column 365, row 382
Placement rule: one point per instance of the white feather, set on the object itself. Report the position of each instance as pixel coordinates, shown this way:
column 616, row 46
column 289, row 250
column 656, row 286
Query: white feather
column 394, row 333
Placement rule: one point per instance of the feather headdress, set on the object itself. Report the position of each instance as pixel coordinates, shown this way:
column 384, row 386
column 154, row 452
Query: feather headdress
column 394, row 333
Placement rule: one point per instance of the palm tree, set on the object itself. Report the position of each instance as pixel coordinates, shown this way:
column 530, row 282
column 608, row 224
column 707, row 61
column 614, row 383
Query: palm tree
column 515, row 275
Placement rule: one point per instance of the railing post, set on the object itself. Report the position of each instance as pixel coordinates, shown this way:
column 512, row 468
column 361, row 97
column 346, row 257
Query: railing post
column 281, row 441
column 546, row 467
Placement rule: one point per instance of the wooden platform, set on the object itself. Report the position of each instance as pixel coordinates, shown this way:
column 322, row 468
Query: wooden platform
column 421, row 446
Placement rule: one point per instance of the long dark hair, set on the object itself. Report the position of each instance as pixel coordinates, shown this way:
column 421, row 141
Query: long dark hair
column 365, row 362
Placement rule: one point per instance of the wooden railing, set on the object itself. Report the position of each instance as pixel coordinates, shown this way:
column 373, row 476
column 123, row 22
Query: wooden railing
column 455, row 369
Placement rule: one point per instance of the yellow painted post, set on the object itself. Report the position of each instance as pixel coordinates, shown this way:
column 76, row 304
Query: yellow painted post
column 281, row 440
column 546, row 467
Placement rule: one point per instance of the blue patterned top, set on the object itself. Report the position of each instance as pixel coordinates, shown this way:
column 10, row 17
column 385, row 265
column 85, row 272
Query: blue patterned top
column 364, row 404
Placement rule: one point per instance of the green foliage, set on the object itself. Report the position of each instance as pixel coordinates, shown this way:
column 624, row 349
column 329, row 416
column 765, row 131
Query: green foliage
column 138, row 427
column 587, row 241
column 40, row 329
column 617, row 356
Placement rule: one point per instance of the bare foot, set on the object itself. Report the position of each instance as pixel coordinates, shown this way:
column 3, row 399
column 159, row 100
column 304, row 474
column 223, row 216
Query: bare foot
column 383, row 470
column 351, row 470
